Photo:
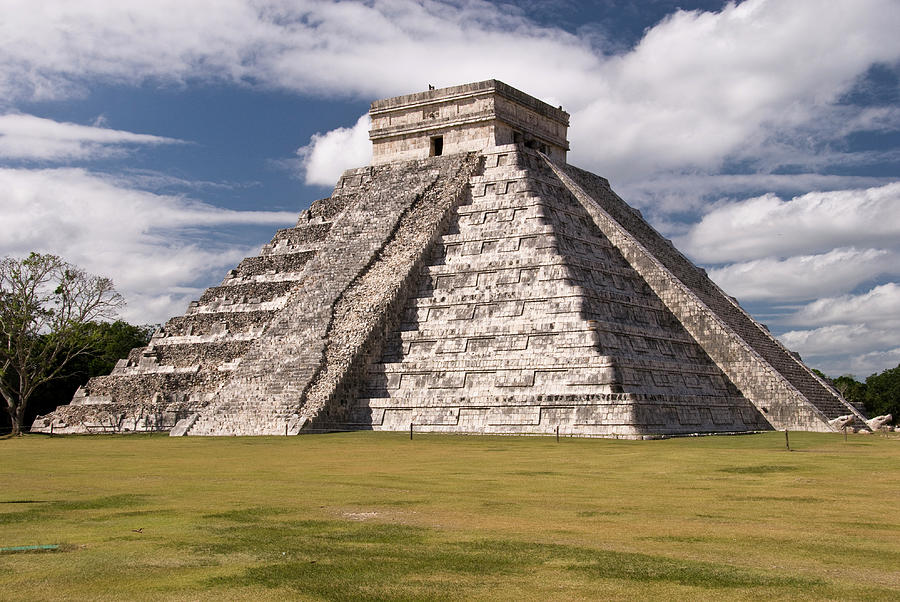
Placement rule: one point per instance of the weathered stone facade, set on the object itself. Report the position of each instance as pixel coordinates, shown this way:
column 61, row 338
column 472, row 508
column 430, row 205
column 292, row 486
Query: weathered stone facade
column 464, row 119
column 487, row 288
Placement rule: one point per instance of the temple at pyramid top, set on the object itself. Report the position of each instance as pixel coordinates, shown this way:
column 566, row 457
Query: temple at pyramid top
column 465, row 118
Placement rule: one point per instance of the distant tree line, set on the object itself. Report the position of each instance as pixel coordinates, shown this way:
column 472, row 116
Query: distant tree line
column 879, row 394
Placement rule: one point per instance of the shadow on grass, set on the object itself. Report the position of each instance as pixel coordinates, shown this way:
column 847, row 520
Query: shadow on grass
column 763, row 469
column 341, row 560
column 23, row 501
column 38, row 510
column 246, row 515
column 775, row 498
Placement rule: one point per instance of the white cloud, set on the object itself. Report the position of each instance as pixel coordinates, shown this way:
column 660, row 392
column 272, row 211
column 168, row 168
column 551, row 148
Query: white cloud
column 873, row 362
column 847, row 348
column 667, row 192
column 849, row 333
column 49, row 49
column 700, row 86
column 755, row 81
column 818, row 221
column 153, row 246
column 35, row 138
column 327, row 155
column 805, row 276
column 880, row 304
column 840, row 339
column 803, row 249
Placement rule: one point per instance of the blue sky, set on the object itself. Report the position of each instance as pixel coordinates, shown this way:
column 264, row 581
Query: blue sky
column 161, row 142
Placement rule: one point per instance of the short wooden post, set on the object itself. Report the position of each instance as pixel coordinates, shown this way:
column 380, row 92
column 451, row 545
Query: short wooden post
column 51, row 429
column 845, row 433
column 285, row 429
column 557, row 433
column 410, row 430
column 787, row 442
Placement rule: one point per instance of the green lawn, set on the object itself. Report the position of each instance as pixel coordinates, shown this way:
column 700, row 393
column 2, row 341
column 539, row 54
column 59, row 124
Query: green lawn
column 375, row 515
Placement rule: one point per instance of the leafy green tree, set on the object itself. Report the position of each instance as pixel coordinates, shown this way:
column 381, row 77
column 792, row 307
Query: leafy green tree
column 45, row 307
column 111, row 342
column 852, row 390
column 883, row 393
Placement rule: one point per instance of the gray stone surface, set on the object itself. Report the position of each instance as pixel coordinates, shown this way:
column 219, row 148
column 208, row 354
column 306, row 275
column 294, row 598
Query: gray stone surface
column 310, row 350
column 466, row 118
column 527, row 320
column 779, row 384
column 491, row 290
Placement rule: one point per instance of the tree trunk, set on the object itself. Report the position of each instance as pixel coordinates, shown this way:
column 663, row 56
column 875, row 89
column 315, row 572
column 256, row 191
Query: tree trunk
column 16, row 418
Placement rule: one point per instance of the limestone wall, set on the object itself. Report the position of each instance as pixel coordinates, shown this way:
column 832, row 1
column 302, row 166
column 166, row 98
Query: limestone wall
column 193, row 355
column 784, row 390
column 469, row 118
column 413, row 146
column 497, row 292
column 526, row 319
column 306, row 357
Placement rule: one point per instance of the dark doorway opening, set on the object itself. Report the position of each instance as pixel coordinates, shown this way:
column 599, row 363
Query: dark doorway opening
column 437, row 146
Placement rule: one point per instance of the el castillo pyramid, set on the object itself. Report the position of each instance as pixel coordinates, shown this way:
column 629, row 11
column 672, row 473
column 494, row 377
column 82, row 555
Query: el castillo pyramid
column 469, row 280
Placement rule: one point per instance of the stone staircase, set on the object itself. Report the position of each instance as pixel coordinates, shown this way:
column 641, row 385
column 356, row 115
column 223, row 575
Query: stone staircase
column 489, row 292
column 193, row 355
column 523, row 320
column 278, row 385
column 764, row 352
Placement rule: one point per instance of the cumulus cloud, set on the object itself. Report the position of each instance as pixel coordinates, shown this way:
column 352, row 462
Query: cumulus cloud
column 665, row 193
column 805, row 276
column 815, row 248
column 308, row 46
column 856, row 349
column 882, row 303
column 747, row 83
column 327, row 155
column 154, row 247
column 849, row 333
column 768, row 226
column 871, row 363
column 840, row 339
column 699, row 87
column 28, row 137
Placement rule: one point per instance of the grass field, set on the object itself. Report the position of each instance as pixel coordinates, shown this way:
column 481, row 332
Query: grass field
column 375, row 515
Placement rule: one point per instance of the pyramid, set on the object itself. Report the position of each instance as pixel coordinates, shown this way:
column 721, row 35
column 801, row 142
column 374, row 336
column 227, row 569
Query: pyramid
column 469, row 280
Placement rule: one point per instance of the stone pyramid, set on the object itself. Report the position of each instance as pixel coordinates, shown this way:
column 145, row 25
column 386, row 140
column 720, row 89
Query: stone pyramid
column 469, row 280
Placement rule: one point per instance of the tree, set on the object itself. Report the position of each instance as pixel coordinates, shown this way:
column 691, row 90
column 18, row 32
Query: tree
column 45, row 307
column 883, row 393
column 852, row 390
column 110, row 341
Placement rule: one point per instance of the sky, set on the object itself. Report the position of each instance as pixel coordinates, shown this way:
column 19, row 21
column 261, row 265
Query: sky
column 158, row 143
